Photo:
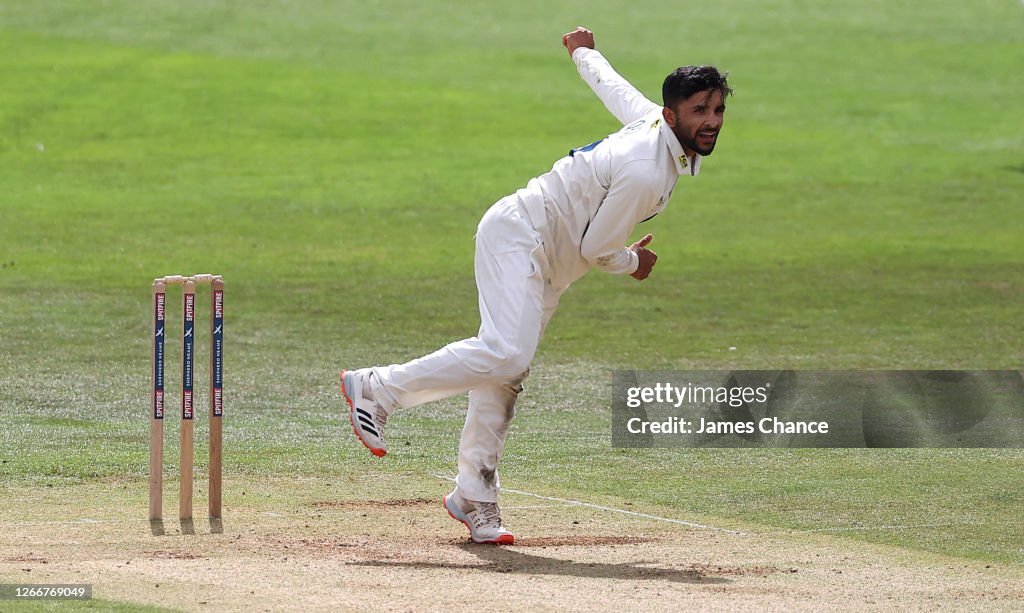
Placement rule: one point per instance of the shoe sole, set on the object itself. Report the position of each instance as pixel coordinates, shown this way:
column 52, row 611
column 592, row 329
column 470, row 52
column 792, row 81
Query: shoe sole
column 505, row 539
column 380, row 453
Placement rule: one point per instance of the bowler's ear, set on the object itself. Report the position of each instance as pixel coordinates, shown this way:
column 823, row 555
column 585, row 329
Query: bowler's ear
column 670, row 117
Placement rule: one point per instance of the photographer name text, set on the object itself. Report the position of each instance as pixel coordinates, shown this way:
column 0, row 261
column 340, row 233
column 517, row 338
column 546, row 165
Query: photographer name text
column 768, row 425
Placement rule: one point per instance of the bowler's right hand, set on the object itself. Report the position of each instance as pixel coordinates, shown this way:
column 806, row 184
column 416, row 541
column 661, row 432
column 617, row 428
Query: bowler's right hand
column 647, row 257
column 580, row 37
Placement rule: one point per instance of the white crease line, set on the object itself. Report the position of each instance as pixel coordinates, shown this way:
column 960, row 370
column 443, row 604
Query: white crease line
column 906, row 527
column 590, row 505
column 84, row 520
column 535, row 506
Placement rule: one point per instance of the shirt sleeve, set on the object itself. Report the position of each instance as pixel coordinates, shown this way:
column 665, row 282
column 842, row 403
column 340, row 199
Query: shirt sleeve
column 618, row 95
column 627, row 203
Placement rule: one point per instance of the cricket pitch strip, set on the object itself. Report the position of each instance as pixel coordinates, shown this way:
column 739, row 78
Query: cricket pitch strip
column 313, row 545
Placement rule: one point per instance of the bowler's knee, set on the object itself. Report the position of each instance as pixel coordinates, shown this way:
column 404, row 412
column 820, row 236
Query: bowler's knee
column 513, row 366
column 515, row 384
column 510, row 363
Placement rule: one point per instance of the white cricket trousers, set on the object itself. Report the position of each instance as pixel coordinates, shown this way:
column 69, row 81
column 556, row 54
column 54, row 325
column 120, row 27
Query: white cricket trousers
column 516, row 303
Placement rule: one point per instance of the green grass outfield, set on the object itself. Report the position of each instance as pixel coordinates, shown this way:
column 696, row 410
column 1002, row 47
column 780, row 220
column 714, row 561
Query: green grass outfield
column 332, row 159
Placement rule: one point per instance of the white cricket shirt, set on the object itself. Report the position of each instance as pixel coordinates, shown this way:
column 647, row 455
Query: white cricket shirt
column 586, row 207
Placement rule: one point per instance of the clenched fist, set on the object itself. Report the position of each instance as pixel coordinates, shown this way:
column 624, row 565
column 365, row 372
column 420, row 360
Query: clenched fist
column 647, row 257
column 580, row 37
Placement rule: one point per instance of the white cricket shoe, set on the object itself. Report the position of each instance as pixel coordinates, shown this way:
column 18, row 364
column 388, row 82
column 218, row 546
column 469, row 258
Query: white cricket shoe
column 367, row 415
column 482, row 518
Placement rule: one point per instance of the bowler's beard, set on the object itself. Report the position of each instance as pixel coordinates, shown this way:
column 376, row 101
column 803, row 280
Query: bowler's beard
column 690, row 142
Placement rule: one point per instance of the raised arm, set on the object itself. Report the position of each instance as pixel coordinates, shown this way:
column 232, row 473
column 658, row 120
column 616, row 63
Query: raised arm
column 618, row 95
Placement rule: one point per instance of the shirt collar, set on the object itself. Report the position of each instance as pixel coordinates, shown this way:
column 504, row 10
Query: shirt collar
column 683, row 165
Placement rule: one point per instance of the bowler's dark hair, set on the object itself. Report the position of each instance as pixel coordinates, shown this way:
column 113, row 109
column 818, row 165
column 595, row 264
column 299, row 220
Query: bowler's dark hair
column 686, row 81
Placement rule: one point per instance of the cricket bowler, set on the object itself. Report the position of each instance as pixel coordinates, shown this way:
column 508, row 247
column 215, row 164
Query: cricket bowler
column 530, row 246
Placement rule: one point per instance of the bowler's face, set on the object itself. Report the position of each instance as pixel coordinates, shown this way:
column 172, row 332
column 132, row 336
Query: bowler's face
column 697, row 120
